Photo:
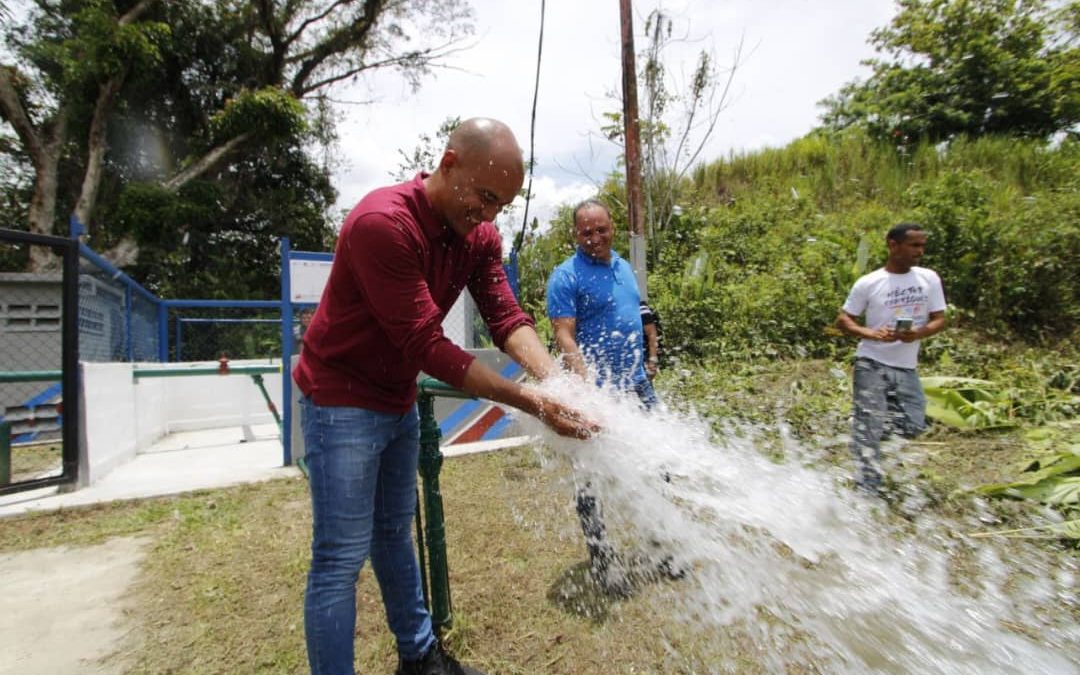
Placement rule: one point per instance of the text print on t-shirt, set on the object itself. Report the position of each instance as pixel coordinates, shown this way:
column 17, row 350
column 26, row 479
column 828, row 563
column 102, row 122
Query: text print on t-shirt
column 907, row 300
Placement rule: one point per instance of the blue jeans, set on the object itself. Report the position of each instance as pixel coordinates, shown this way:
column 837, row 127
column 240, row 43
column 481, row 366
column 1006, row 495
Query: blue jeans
column 362, row 470
column 887, row 400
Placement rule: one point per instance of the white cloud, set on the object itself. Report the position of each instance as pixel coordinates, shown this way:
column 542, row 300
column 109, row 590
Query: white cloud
column 796, row 52
column 547, row 196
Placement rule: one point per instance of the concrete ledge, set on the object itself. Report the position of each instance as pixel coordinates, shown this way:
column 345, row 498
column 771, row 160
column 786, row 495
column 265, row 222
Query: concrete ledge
column 176, row 464
column 487, row 446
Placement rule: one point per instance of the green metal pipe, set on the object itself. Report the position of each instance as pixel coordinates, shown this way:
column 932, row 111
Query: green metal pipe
column 422, row 558
column 431, row 459
column 205, row 370
column 431, row 537
column 429, row 385
column 5, row 453
column 8, row 376
column 269, row 403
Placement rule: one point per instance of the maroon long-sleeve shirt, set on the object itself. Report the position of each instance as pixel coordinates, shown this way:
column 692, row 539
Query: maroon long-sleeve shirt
column 397, row 271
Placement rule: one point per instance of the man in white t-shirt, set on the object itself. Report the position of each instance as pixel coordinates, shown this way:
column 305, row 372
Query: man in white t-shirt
column 901, row 304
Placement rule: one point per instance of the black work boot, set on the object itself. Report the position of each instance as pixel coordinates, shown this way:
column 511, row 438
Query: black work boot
column 667, row 568
column 608, row 572
column 604, row 566
column 435, row 662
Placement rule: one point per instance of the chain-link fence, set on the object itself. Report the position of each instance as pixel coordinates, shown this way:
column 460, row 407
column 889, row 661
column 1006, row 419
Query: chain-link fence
column 33, row 319
column 207, row 334
column 30, row 342
column 118, row 318
column 103, row 333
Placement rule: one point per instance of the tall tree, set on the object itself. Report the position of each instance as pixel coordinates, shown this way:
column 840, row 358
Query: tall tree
column 970, row 67
column 70, row 71
column 212, row 80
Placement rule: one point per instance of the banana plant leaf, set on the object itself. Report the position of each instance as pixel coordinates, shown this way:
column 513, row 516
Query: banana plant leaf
column 1054, row 464
column 966, row 403
column 1055, row 490
column 1070, row 529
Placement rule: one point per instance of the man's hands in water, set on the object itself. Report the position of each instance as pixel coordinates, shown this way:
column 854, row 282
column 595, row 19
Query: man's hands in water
column 564, row 420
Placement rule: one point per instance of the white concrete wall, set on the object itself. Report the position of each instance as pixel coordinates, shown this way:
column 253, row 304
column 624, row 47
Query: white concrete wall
column 213, row 401
column 151, row 412
column 123, row 416
column 107, row 432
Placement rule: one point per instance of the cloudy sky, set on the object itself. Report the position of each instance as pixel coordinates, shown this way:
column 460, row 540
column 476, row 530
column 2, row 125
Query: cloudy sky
column 795, row 53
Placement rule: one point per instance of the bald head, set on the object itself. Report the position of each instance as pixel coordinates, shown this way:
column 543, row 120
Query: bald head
column 482, row 138
column 480, row 172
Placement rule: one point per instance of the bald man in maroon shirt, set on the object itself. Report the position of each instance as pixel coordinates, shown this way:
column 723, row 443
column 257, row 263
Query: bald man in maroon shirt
column 404, row 255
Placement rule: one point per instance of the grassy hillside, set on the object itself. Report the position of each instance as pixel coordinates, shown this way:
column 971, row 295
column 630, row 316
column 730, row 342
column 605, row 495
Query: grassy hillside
column 770, row 242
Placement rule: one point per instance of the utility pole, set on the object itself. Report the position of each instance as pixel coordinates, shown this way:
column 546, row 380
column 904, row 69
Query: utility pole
column 635, row 205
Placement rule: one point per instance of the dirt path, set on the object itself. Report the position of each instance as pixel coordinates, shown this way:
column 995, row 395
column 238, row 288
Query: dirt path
column 61, row 608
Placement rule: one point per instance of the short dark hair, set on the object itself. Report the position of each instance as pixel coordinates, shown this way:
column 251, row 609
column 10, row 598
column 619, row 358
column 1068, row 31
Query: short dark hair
column 898, row 233
column 589, row 203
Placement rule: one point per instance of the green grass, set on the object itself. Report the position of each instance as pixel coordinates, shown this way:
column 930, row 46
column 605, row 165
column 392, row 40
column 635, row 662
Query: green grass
column 221, row 587
column 222, row 584
column 35, row 461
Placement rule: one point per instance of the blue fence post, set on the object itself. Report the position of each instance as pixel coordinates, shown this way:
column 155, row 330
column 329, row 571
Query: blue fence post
column 75, row 228
column 179, row 339
column 286, row 354
column 128, row 303
column 163, row 331
column 511, row 269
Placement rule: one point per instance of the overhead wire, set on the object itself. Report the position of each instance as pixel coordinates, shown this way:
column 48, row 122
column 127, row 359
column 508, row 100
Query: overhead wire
column 532, row 135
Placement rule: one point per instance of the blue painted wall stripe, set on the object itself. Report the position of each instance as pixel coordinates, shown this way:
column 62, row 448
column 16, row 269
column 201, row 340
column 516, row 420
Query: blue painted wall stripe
column 497, row 429
column 467, row 408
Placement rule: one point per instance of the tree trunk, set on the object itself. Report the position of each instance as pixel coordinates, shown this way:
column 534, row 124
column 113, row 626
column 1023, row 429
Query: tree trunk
column 43, row 212
column 44, row 145
column 96, row 145
column 204, row 163
column 96, row 148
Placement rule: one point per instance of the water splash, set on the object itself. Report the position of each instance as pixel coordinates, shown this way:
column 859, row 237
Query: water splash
column 813, row 573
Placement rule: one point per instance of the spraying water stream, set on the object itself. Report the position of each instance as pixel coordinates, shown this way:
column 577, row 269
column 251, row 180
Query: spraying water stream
column 811, row 571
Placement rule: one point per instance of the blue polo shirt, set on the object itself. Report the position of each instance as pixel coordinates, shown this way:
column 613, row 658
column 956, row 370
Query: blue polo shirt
column 604, row 300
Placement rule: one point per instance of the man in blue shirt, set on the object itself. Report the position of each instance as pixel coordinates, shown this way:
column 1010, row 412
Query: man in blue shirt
column 594, row 306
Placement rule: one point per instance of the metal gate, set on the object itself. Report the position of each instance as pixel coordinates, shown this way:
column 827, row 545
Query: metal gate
column 39, row 361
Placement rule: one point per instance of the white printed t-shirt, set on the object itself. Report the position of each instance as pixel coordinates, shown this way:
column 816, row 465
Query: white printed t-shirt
column 885, row 297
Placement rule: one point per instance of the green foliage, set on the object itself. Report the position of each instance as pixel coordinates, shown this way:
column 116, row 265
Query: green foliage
column 224, row 105
column 1008, row 258
column 768, row 245
column 268, row 113
column 967, row 67
column 1053, row 479
column 542, row 252
column 191, row 240
column 427, row 153
column 762, row 259
column 967, row 403
column 82, row 44
column 1029, row 385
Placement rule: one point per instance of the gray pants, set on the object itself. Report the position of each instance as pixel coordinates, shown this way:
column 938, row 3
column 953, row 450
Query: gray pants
column 887, row 400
